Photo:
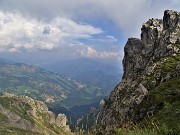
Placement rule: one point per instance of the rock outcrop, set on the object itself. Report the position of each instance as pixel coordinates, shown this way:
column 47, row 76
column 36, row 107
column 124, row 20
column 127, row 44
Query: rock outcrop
column 22, row 113
column 61, row 121
column 148, row 62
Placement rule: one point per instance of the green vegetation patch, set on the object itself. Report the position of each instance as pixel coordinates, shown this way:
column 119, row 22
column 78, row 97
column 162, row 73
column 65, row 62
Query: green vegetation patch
column 17, row 131
column 168, row 64
column 3, row 118
column 135, row 131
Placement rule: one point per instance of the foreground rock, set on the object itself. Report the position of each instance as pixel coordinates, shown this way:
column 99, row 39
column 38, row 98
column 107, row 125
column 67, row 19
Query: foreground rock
column 23, row 115
column 150, row 86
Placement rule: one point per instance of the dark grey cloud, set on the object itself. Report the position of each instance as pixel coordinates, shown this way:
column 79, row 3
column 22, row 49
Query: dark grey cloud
column 47, row 30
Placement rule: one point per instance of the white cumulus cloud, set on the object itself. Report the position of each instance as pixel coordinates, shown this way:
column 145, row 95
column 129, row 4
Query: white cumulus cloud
column 18, row 33
column 93, row 53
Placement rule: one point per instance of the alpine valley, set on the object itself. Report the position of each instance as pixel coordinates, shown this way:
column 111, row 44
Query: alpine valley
column 61, row 93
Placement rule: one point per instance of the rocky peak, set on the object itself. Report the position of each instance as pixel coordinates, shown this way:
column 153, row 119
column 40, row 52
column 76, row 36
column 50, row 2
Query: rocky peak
column 137, row 51
column 147, row 63
column 132, row 59
column 61, row 121
column 156, row 35
column 150, row 33
column 39, row 105
column 171, row 20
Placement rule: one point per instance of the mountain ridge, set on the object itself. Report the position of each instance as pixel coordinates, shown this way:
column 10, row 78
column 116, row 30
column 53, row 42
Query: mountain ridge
column 78, row 66
column 23, row 115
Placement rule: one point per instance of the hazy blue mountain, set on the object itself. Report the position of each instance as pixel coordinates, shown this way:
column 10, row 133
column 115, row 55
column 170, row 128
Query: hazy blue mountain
column 5, row 61
column 106, row 82
column 83, row 65
column 90, row 72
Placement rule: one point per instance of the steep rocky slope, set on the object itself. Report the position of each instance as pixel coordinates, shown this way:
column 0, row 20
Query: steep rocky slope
column 149, row 93
column 23, row 115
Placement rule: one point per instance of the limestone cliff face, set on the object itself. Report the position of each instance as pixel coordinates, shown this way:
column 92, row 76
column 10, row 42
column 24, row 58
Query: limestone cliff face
column 148, row 62
column 22, row 114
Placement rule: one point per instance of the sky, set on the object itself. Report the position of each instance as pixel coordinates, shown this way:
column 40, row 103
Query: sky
column 45, row 31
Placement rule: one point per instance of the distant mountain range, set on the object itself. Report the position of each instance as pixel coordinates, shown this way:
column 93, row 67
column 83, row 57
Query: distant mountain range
column 90, row 72
column 80, row 66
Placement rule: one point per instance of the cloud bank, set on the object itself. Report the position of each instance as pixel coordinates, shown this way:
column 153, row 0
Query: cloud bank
column 127, row 15
column 75, row 27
